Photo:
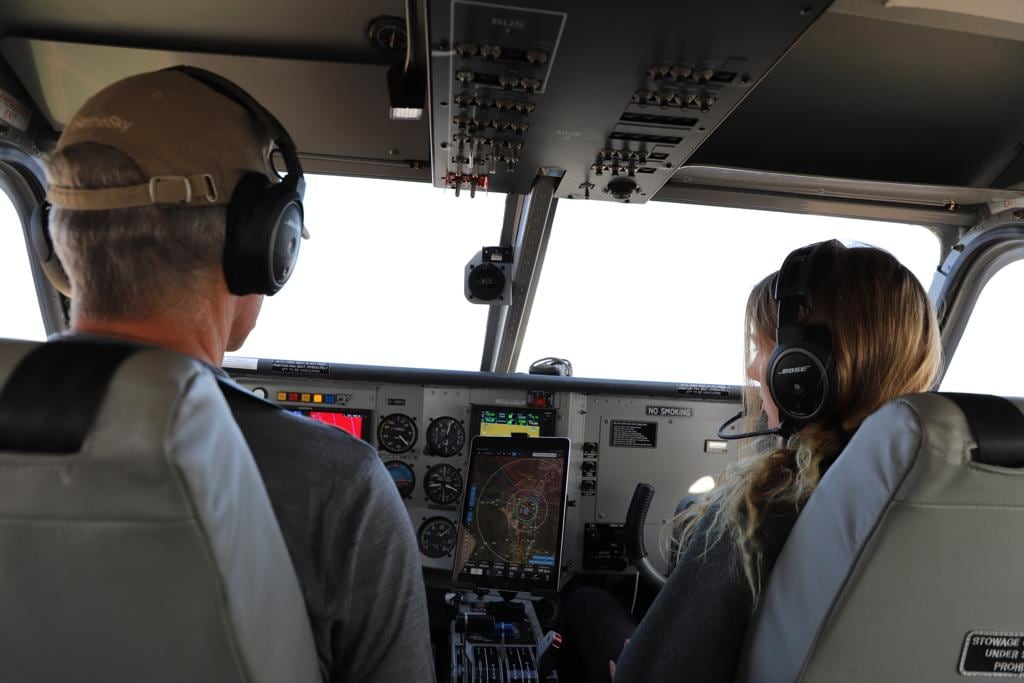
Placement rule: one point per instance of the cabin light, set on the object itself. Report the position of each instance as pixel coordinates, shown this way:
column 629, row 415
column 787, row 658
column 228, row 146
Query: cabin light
column 702, row 485
column 406, row 113
column 407, row 81
column 716, row 446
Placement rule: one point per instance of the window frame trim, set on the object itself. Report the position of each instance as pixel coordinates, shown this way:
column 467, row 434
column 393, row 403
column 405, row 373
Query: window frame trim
column 959, row 281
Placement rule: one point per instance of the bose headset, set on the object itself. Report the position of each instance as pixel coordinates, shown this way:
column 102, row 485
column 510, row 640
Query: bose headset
column 264, row 218
column 801, row 372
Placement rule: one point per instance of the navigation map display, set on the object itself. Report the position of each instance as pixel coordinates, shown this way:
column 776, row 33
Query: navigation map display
column 355, row 422
column 512, row 421
column 513, row 514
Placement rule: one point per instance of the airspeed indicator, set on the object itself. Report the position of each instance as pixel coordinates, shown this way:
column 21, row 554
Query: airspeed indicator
column 397, row 433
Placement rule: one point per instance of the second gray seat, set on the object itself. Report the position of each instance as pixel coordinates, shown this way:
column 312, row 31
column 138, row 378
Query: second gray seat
column 906, row 564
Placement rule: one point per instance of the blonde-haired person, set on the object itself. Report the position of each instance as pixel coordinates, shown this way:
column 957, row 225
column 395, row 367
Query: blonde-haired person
column 884, row 341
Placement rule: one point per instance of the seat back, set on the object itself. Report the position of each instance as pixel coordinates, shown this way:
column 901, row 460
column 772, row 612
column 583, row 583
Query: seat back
column 137, row 542
column 906, row 564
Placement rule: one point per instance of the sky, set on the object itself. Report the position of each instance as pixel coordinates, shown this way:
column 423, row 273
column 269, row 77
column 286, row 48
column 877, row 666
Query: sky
column 646, row 292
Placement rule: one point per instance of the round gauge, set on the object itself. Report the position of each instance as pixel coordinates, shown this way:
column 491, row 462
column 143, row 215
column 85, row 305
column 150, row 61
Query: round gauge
column 437, row 537
column 445, row 437
column 443, row 484
column 397, row 433
column 404, row 477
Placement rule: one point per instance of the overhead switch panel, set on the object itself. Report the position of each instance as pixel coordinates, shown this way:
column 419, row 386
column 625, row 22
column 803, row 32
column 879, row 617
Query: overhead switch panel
column 591, row 91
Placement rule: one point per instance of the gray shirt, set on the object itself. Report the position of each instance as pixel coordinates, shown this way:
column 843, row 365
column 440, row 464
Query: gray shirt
column 695, row 628
column 350, row 539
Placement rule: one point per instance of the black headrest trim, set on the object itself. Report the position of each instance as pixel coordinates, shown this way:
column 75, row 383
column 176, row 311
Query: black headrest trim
column 52, row 397
column 997, row 426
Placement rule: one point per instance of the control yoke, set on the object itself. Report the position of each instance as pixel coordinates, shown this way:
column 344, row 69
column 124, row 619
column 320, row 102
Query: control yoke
column 635, row 550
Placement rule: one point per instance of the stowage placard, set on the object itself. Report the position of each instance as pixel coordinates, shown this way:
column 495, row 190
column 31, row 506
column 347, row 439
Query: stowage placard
column 993, row 653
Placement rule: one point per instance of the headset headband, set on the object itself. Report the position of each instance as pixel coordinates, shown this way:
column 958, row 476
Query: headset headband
column 791, row 287
column 267, row 121
column 205, row 180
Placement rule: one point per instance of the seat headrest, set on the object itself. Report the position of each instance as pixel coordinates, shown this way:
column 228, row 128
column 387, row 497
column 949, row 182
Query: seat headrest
column 146, row 545
column 997, row 426
column 52, row 396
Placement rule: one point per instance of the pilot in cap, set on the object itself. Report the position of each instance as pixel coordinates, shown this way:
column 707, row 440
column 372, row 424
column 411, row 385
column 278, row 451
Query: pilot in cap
column 193, row 143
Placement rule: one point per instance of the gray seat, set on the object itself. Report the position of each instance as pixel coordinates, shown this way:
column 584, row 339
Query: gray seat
column 908, row 552
column 149, row 553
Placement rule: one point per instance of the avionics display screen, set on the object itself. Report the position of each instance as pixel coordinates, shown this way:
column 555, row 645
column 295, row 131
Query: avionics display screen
column 508, row 421
column 355, row 422
column 513, row 514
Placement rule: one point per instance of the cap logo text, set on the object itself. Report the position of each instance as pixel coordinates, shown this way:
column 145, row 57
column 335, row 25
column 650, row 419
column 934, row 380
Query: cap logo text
column 112, row 122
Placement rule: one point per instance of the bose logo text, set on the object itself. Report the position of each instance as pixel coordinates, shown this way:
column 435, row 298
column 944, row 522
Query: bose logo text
column 508, row 23
column 793, row 371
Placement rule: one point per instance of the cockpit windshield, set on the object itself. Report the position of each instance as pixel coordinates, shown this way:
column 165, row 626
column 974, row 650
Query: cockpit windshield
column 657, row 292
column 381, row 281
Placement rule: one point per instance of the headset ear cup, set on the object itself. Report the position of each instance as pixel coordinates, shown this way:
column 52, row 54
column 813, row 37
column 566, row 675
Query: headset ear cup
column 264, row 232
column 802, row 382
column 42, row 246
column 279, row 217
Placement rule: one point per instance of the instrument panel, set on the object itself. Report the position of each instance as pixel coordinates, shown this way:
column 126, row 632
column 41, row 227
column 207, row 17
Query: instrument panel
column 422, row 424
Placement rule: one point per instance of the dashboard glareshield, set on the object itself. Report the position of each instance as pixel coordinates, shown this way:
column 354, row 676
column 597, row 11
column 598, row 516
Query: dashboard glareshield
column 513, row 514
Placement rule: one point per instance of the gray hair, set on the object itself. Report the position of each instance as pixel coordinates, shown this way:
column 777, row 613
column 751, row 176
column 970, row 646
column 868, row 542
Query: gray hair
column 130, row 263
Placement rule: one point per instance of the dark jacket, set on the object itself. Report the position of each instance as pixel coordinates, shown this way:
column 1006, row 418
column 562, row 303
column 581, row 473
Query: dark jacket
column 694, row 630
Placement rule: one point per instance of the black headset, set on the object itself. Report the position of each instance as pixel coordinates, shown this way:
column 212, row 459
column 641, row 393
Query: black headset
column 801, row 373
column 264, row 218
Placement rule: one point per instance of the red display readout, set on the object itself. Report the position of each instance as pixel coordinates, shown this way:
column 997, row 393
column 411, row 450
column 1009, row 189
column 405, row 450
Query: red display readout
column 353, row 424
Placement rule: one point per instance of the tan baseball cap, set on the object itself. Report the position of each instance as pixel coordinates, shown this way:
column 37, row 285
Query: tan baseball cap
column 192, row 142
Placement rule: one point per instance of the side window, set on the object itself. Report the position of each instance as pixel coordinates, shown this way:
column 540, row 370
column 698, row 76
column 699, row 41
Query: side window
column 19, row 311
column 988, row 359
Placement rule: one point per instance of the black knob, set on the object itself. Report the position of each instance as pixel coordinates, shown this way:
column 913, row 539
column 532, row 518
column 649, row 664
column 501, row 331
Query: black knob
column 621, row 187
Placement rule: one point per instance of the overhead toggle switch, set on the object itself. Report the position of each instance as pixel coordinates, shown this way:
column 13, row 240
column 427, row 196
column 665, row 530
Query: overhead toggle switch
column 536, row 57
column 466, row 50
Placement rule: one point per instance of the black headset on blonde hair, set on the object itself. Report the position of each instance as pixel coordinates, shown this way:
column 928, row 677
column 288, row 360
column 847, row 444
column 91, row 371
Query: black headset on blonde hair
column 801, row 372
column 264, row 218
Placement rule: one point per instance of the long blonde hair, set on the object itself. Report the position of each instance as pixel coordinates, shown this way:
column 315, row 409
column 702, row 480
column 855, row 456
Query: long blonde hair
column 885, row 341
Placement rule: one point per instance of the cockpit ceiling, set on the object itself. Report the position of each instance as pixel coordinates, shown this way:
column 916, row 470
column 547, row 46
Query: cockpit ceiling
column 862, row 97
column 298, row 29
column 873, row 90
column 335, row 111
